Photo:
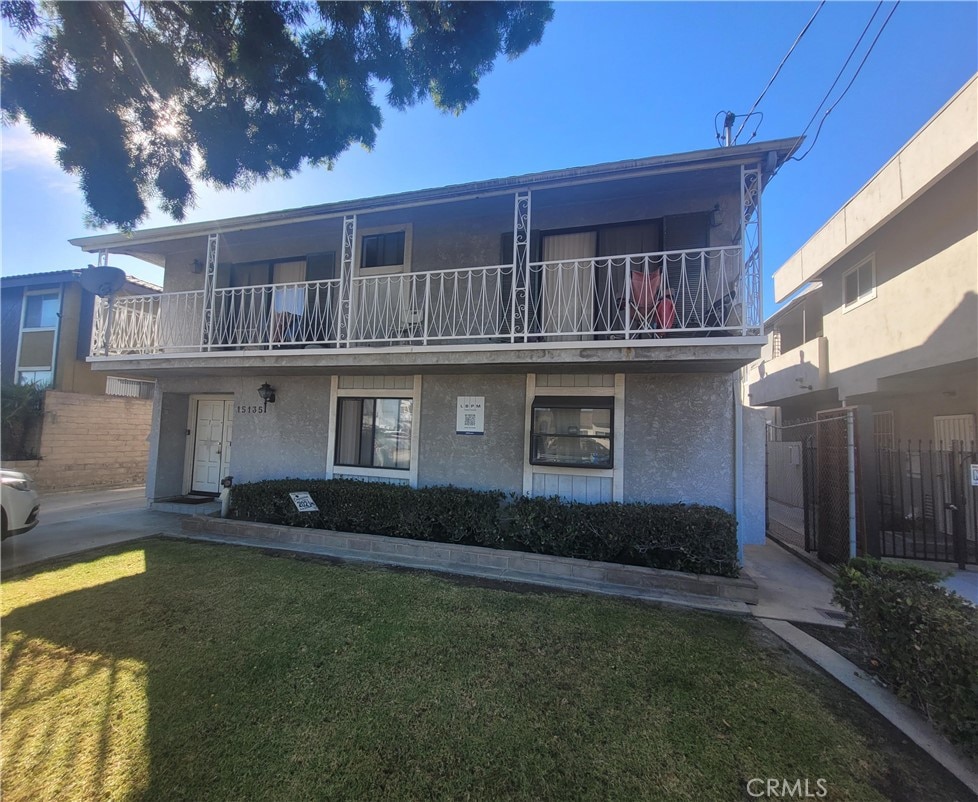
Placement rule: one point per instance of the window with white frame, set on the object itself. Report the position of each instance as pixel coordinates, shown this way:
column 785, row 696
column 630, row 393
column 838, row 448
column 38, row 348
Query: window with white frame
column 572, row 431
column 860, row 283
column 38, row 337
column 374, row 432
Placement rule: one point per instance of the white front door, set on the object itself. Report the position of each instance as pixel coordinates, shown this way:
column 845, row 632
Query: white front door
column 212, row 444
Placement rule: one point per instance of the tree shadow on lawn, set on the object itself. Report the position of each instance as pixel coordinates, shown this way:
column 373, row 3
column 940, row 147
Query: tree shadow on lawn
column 187, row 671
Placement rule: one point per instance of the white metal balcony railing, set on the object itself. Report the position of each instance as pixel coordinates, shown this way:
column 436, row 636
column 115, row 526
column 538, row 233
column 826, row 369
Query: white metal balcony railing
column 693, row 293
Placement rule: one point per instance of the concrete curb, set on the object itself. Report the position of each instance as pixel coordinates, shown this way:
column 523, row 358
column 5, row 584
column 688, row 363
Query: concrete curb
column 716, row 594
column 908, row 721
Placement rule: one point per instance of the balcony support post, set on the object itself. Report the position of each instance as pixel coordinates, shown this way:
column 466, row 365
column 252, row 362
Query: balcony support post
column 347, row 261
column 103, row 261
column 210, row 294
column 520, row 294
column 750, row 240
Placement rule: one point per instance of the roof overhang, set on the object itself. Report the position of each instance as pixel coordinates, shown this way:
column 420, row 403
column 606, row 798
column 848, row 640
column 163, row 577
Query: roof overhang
column 768, row 155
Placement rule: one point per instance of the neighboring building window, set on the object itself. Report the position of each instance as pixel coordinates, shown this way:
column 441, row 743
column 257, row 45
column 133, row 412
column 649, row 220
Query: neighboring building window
column 42, row 378
column 860, row 282
column 374, row 432
column 38, row 337
column 381, row 250
column 883, row 429
column 572, row 431
column 41, row 311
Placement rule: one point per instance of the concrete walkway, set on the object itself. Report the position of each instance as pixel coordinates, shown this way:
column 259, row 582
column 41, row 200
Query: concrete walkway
column 788, row 589
column 81, row 520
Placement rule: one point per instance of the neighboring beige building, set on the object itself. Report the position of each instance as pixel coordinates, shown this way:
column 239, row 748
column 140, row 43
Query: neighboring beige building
column 888, row 314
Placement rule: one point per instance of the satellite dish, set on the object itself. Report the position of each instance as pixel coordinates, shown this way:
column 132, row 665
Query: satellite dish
column 102, row 280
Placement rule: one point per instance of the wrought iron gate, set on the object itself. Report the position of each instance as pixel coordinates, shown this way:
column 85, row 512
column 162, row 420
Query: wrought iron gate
column 927, row 505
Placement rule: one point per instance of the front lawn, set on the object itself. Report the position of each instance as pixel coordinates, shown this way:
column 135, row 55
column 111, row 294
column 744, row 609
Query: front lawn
column 170, row 670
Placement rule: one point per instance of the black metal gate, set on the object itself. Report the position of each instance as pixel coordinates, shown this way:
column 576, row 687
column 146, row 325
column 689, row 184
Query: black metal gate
column 927, row 505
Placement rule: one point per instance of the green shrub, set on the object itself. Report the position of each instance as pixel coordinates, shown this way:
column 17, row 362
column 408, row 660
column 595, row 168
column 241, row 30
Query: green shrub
column 900, row 572
column 444, row 514
column 925, row 637
column 677, row 537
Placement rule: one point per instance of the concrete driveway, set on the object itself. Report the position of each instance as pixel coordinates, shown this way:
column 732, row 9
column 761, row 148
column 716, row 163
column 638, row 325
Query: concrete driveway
column 81, row 520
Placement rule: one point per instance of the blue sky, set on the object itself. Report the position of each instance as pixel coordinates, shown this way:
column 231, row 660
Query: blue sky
column 610, row 81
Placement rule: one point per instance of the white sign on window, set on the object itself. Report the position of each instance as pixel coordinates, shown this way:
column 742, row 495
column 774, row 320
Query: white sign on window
column 303, row 502
column 471, row 415
column 974, row 475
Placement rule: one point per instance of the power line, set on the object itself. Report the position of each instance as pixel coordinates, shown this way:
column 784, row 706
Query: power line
column 848, row 86
column 778, row 70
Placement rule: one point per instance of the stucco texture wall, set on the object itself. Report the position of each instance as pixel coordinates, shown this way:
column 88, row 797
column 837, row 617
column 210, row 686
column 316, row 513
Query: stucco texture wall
column 925, row 312
column 287, row 440
column 679, row 439
column 492, row 461
column 91, row 441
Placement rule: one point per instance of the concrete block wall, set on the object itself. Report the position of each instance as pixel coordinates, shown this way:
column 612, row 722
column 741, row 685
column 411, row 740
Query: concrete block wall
column 90, row 441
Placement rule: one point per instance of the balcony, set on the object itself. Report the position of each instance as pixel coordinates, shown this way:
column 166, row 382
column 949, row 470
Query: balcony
column 796, row 372
column 668, row 296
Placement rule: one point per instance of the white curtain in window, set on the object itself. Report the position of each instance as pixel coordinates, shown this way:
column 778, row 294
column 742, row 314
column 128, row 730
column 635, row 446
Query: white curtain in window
column 566, row 285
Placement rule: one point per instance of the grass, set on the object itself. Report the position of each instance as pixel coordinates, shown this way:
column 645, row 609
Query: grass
column 170, row 671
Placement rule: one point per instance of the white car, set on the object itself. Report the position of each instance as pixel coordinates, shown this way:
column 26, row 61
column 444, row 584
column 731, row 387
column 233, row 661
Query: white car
column 20, row 503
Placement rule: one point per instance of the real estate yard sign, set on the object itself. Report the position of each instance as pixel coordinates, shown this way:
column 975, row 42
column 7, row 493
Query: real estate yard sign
column 303, row 502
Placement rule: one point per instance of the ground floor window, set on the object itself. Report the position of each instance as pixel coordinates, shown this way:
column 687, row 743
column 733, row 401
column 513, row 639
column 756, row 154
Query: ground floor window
column 374, row 432
column 572, row 431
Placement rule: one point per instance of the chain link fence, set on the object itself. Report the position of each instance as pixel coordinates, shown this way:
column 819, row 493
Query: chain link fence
column 811, row 485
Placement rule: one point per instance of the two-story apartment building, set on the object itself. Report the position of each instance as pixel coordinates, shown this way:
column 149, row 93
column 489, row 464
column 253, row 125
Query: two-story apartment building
column 888, row 313
column 575, row 332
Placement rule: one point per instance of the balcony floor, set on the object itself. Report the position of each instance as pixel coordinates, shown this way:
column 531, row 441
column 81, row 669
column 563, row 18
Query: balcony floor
column 687, row 355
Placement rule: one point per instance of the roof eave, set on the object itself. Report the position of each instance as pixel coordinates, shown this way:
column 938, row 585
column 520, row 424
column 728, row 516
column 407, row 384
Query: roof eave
column 695, row 160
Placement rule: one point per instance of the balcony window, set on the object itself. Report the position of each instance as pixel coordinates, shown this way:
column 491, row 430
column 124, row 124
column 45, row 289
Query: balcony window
column 374, row 432
column 860, row 283
column 382, row 250
column 572, row 431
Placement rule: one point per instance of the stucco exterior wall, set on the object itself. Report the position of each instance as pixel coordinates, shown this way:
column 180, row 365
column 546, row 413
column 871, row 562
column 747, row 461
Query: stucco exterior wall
column 679, row 439
column 493, row 461
column 925, row 312
column 287, row 440
column 913, row 415
column 678, row 436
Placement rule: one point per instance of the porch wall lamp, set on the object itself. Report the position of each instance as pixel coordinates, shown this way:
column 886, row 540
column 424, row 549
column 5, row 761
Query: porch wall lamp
column 716, row 216
column 267, row 393
column 197, row 266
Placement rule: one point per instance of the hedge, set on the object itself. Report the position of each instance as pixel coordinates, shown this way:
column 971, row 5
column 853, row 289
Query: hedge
column 925, row 638
column 443, row 514
column 676, row 537
column 693, row 538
